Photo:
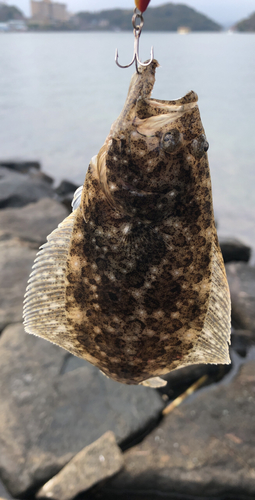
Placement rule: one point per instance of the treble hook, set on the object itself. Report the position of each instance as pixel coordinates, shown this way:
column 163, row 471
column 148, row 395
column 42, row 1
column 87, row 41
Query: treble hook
column 137, row 33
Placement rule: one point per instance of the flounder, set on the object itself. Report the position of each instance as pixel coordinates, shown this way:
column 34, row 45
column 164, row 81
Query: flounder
column 133, row 280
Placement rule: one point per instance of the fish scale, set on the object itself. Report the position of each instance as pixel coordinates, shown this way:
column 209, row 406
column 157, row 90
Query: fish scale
column 136, row 273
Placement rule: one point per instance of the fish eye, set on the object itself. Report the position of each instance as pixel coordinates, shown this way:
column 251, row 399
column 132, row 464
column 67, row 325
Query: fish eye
column 199, row 146
column 172, row 140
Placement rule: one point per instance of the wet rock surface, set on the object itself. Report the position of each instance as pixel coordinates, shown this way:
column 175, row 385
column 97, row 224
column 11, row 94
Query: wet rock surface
column 241, row 279
column 242, row 340
column 205, row 448
column 22, row 231
column 234, row 250
column 16, row 259
column 21, row 166
column 47, row 417
column 178, row 381
column 98, row 461
column 3, row 493
column 18, row 189
column 66, row 187
column 65, row 192
column 33, row 222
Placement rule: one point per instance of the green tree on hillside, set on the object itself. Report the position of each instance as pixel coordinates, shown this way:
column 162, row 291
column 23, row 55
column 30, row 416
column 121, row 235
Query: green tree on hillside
column 9, row 13
column 168, row 17
column 247, row 24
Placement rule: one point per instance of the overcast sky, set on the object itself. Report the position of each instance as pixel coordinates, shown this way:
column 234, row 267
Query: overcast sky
column 225, row 12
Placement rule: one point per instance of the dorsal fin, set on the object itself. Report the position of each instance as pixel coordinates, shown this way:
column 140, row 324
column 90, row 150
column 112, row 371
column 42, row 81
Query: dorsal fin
column 44, row 304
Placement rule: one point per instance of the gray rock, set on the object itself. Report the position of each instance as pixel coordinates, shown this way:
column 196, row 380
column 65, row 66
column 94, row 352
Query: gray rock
column 22, row 231
column 66, row 187
column 19, row 189
column 66, row 200
column 65, row 192
column 48, row 415
column 21, row 166
column 96, row 462
column 38, row 174
column 3, row 493
column 234, row 250
column 241, row 279
column 180, row 380
column 33, row 222
column 242, row 341
column 204, row 449
column 16, row 260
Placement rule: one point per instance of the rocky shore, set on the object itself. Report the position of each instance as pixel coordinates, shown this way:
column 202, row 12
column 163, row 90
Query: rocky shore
column 67, row 432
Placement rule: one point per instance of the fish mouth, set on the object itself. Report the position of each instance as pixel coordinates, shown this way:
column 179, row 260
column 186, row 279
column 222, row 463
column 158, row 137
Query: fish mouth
column 181, row 105
column 153, row 114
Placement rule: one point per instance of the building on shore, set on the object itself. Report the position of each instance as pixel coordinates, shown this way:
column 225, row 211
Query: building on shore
column 46, row 12
column 17, row 25
column 4, row 27
column 13, row 25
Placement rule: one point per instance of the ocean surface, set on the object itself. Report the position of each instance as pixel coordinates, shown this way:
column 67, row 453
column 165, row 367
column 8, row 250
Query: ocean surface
column 60, row 92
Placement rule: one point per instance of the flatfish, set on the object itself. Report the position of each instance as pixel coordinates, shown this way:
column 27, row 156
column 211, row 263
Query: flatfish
column 133, row 280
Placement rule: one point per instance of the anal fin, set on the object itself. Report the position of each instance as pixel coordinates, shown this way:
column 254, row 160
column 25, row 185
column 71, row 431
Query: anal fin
column 213, row 343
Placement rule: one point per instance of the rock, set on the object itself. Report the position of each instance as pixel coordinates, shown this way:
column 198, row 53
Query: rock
column 65, row 192
column 18, row 189
column 21, row 166
column 49, row 414
column 242, row 340
column 234, row 250
column 179, row 380
column 32, row 168
column 66, row 200
column 96, row 462
column 33, row 222
column 66, row 187
column 3, row 493
column 42, row 176
column 16, row 260
column 241, row 279
column 204, row 449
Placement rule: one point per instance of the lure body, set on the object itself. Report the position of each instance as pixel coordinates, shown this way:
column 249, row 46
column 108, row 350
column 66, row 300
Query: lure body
column 133, row 280
column 142, row 5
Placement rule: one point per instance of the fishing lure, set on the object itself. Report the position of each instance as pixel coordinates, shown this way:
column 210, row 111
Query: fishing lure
column 133, row 280
column 137, row 22
column 142, row 5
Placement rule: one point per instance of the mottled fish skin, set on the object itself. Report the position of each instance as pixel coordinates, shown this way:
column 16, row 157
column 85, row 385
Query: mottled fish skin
column 145, row 289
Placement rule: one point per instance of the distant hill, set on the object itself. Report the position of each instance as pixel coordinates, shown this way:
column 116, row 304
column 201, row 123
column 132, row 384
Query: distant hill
column 247, row 24
column 9, row 13
column 167, row 17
